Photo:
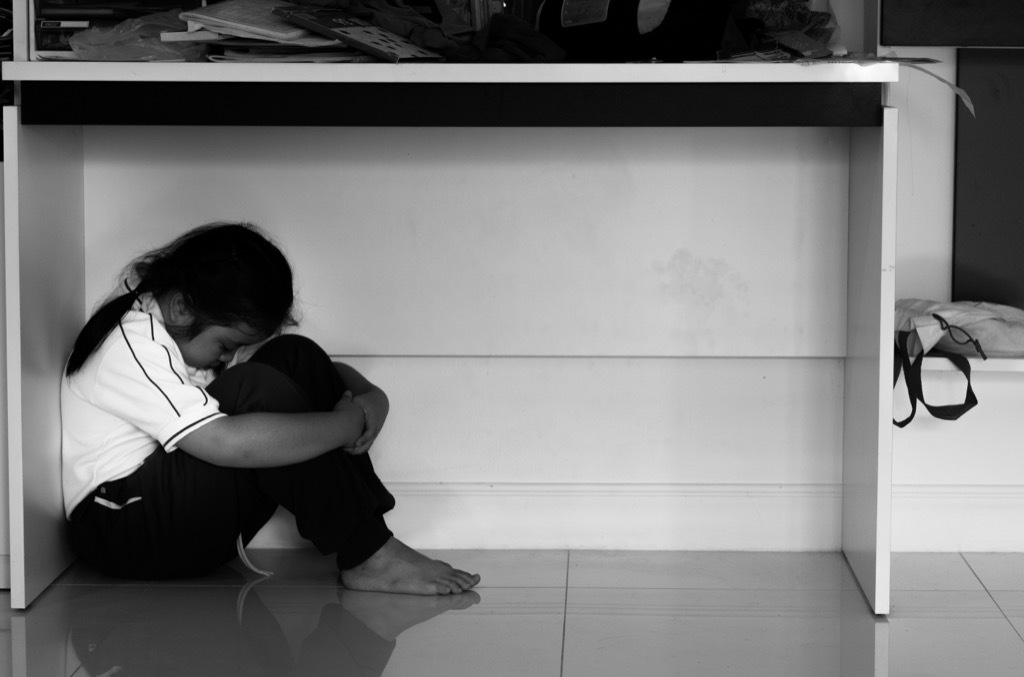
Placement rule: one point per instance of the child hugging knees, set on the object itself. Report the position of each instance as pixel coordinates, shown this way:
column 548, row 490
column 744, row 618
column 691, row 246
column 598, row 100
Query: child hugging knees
column 172, row 460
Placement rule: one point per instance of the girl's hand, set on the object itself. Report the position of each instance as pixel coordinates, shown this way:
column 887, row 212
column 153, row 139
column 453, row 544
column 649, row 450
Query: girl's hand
column 375, row 406
column 348, row 406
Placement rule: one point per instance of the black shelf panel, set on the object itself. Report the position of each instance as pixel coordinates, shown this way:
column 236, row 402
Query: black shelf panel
column 452, row 104
column 988, row 212
column 953, row 23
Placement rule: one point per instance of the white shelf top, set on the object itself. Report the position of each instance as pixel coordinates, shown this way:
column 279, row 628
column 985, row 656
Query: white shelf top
column 680, row 73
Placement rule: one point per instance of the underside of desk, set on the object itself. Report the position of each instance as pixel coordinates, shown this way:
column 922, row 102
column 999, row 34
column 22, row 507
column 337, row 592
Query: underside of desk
column 581, row 104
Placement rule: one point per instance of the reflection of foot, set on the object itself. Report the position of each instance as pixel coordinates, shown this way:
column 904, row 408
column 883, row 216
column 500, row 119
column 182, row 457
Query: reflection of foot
column 398, row 568
column 391, row 615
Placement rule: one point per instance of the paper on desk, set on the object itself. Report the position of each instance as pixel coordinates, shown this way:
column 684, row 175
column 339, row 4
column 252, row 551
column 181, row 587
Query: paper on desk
column 305, row 41
column 308, row 40
column 959, row 91
column 298, row 57
column 917, row 63
column 253, row 19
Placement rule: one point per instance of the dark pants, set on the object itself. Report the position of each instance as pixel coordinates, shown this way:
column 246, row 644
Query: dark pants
column 191, row 512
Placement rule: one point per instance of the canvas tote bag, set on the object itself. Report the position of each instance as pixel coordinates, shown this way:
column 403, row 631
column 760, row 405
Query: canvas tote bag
column 953, row 330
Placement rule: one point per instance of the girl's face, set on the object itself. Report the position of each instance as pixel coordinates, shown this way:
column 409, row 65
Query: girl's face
column 215, row 346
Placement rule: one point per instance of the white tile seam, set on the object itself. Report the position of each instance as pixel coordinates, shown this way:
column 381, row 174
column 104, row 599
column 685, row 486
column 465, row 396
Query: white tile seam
column 992, row 597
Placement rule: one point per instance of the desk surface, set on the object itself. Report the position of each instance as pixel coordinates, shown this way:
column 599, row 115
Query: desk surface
column 704, row 72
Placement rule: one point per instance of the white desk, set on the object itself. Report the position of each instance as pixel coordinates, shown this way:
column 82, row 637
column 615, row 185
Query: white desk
column 45, row 240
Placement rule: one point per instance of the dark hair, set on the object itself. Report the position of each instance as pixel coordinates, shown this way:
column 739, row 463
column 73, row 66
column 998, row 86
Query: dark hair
column 227, row 273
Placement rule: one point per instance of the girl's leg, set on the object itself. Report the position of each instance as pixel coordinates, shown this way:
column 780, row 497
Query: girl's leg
column 337, row 500
column 306, row 364
column 394, row 566
column 179, row 516
column 175, row 516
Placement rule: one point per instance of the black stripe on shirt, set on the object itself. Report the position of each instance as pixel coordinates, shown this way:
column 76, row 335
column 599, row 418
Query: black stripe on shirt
column 170, row 365
column 143, row 369
column 173, row 439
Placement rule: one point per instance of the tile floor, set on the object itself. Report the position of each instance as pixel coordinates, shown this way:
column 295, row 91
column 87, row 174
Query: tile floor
column 538, row 614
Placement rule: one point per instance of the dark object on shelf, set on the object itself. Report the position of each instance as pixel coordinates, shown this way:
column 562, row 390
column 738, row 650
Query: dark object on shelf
column 691, row 30
column 506, row 38
column 963, row 23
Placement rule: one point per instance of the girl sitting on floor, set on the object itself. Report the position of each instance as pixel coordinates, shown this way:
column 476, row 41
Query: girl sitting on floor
column 172, row 462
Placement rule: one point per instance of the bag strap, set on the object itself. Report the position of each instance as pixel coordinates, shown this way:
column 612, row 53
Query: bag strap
column 912, row 374
column 901, row 362
column 960, row 335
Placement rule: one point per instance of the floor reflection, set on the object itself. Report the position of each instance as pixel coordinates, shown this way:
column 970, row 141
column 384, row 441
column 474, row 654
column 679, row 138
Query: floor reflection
column 539, row 614
column 175, row 631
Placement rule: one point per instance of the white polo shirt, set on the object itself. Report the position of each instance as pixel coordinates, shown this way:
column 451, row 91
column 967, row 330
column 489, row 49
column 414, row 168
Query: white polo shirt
column 133, row 393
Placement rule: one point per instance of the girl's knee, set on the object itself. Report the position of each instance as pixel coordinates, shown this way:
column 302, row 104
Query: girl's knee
column 290, row 347
column 252, row 386
column 307, row 364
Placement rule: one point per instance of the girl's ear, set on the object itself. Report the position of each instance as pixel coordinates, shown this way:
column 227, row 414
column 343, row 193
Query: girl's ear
column 178, row 312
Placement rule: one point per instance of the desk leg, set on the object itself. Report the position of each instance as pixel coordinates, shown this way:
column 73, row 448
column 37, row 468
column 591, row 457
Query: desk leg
column 867, row 434
column 44, row 257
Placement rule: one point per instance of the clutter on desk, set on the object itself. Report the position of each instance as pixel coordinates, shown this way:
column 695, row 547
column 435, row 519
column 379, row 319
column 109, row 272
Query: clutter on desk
column 254, row 19
column 342, row 26
column 136, row 40
column 56, row 21
column 530, row 31
column 691, row 30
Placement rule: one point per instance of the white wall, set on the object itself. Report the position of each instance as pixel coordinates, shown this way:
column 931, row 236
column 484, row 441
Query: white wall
column 592, row 338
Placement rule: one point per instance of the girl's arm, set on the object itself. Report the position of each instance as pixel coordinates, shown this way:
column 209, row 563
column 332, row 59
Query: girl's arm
column 373, row 401
column 265, row 440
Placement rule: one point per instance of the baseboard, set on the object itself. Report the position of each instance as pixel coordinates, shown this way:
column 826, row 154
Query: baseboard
column 958, row 518
column 604, row 516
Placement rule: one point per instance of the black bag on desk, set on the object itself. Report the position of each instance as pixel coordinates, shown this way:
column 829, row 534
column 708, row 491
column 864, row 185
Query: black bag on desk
column 609, row 30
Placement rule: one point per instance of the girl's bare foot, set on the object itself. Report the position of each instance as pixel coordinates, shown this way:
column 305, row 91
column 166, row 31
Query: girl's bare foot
column 398, row 568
